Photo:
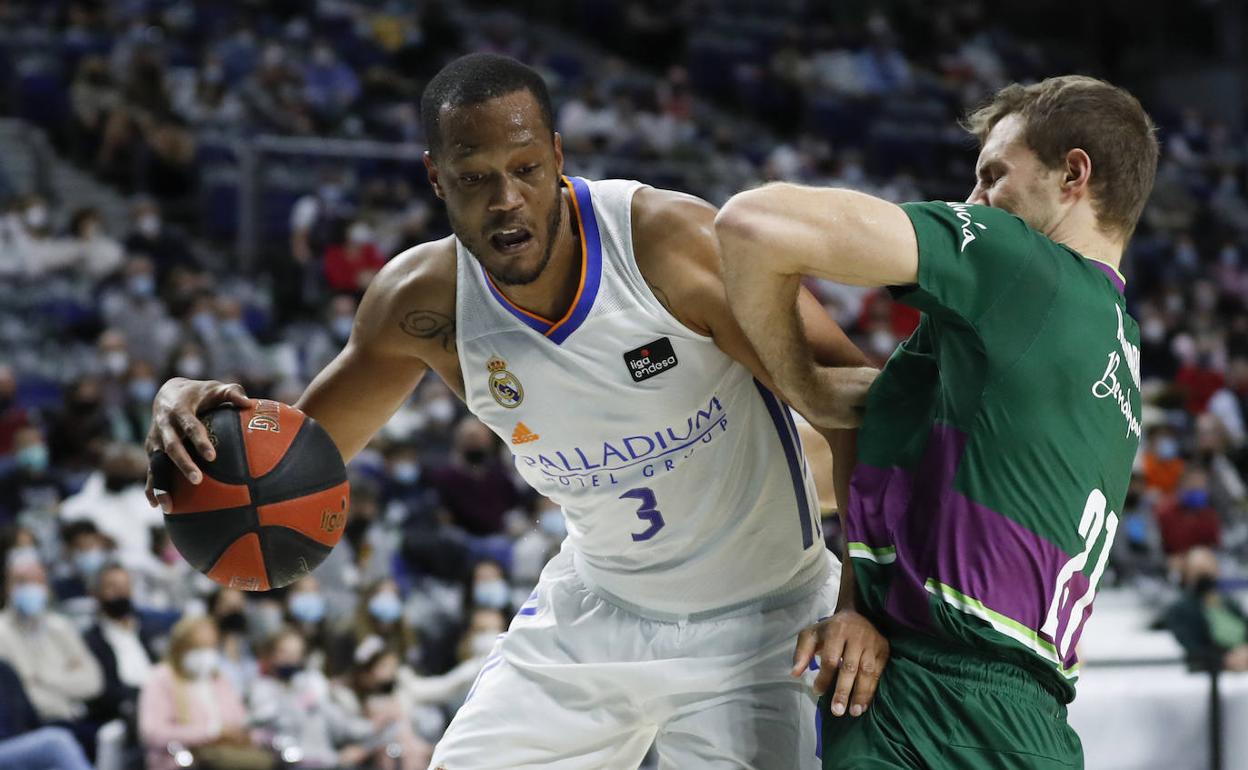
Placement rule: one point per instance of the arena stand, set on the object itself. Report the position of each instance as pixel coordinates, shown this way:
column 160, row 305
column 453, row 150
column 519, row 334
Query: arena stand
column 189, row 186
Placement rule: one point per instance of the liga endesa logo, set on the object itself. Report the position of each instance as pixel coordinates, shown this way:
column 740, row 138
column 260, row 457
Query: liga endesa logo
column 651, row 359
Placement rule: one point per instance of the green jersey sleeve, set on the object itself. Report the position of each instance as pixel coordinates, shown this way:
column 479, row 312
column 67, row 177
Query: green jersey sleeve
column 974, row 263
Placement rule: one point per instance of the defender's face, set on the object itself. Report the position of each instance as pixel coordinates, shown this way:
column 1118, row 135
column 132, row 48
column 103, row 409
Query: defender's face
column 499, row 173
column 1010, row 176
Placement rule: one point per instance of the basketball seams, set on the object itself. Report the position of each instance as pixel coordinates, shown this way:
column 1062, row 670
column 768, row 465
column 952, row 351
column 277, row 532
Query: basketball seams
column 327, row 530
column 260, row 485
column 263, row 536
column 273, row 456
column 272, row 448
column 223, row 422
column 277, row 539
column 220, row 515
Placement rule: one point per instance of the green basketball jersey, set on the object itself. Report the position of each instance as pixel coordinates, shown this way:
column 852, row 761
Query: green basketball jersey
column 997, row 444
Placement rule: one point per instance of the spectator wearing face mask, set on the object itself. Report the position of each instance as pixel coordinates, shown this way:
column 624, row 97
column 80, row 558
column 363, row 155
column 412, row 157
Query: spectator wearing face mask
column 86, row 551
column 133, row 308
column 370, row 693
column 484, row 585
column 163, row 245
column 1206, row 620
column 1163, row 463
column 187, row 701
column 379, row 613
column 473, row 486
column 487, row 586
column 80, row 429
column 351, row 266
column 1188, row 520
column 307, row 613
column 429, row 699
column 113, row 359
column 32, row 247
column 318, row 344
column 290, row 701
column 101, row 254
column 135, row 410
column 113, row 500
column 57, row 670
column 539, row 541
column 405, row 484
column 28, row 483
column 121, row 639
column 228, row 607
column 189, row 359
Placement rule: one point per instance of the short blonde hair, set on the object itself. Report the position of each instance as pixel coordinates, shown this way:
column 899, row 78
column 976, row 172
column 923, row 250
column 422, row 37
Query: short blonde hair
column 180, row 640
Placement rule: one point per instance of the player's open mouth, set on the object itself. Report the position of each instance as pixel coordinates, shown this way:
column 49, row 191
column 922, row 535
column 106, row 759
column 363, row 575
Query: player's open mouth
column 511, row 240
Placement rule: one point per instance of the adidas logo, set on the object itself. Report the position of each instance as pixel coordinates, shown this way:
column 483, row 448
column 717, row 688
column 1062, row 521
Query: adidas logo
column 522, row 434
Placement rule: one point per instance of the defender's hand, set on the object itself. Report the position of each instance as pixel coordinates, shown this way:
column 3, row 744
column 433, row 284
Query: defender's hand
column 849, row 650
column 174, row 418
column 837, row 397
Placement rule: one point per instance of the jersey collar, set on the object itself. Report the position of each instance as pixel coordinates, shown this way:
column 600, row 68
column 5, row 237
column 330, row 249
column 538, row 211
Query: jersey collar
column 1111, row 273
column 591, row 272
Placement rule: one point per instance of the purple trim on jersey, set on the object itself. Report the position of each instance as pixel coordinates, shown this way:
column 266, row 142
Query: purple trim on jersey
column 591, row 272
column 940, row 533
column 533, row 322
column 593, row 263
column 1112, row 274
column 792, row 456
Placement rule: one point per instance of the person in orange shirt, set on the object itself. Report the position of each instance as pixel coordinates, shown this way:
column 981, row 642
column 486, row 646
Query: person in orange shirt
column 1163, row 463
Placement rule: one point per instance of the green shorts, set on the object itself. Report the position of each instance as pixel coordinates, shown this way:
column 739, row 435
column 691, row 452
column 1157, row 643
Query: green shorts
column 938, row 709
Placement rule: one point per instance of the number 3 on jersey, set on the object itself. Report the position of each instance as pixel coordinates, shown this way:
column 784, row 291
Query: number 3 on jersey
column 647, row 512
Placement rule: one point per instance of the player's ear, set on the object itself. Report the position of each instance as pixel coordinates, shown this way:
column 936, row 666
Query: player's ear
column 1078, row 172
column 431, row 168
column 559, row 152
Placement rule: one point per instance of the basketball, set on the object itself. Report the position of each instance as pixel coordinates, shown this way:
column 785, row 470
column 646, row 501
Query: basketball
column 271, row 505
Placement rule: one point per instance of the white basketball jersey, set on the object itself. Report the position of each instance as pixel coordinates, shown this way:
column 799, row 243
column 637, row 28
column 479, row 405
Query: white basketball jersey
column 682, row 478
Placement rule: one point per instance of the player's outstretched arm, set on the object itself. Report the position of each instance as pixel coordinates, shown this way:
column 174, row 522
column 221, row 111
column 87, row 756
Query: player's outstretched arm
column 772, row 236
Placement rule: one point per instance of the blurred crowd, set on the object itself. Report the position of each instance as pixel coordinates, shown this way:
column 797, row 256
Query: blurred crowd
column 112, row 650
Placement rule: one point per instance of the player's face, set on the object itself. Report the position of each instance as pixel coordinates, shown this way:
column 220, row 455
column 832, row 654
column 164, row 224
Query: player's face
column 1009, row 175
column 499, row 173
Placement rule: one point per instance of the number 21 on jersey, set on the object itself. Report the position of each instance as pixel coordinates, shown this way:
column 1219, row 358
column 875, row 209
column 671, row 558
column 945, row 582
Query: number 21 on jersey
column 1094, row 523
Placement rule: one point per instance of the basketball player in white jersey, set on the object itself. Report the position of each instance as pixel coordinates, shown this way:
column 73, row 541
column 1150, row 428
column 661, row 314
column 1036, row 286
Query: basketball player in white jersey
column 586, row 324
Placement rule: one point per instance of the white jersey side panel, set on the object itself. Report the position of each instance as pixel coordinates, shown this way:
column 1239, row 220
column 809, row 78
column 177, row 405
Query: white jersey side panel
column 682, row 479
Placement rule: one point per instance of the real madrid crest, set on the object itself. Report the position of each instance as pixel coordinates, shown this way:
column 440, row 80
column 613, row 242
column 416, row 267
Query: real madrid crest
column 504, row 386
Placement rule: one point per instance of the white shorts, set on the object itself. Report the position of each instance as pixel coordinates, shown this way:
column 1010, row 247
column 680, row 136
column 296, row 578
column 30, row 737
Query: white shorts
column 579, row 682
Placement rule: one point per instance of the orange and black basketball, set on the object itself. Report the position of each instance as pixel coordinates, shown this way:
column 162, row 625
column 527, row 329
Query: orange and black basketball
column 271, row 505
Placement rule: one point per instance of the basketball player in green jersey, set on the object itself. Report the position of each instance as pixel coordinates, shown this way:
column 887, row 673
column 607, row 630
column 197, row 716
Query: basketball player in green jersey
column 997, row 443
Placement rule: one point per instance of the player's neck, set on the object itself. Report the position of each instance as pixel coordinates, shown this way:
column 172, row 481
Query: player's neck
column 553, row 292
column 1084, row 236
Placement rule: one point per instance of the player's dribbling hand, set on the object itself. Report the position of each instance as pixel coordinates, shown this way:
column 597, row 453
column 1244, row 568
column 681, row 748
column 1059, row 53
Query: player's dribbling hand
column 174, row 418
column 838, row 396
column 851, row 652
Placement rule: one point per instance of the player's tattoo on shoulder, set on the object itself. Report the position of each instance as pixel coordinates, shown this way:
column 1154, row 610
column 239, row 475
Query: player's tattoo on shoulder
column 661, row 296
column 430, row 325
